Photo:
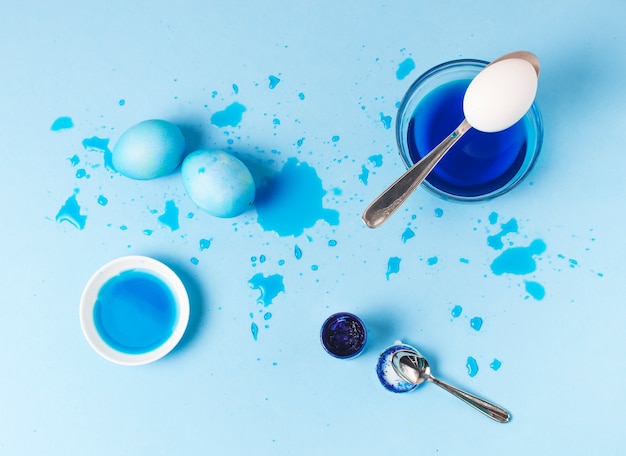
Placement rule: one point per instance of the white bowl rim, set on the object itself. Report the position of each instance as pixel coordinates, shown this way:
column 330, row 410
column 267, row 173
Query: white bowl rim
column 112, row 269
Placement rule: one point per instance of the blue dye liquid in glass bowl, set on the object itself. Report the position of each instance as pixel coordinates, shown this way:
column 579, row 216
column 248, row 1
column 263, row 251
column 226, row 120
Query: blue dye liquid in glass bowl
column 135, row 312
column 480, row 165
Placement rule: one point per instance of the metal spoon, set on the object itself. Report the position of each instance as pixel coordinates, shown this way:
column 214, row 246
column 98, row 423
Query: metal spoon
column 393, row 197
column 414, row 368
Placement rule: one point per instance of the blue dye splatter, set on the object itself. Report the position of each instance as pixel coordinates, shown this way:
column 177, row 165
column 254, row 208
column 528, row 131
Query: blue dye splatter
column 408, row 234
column 62, row 123
column 100, row 145
column 314, row 267
column 493, row 218
column 291, row 201
column 518, row 260
column 80, row 173
column 573, row 263
column 255, row 330
column 267, row 316
column 194, row 261
column 297, row 252
column 148, row 232
column 335, row 138
column 273, row 81
column 536, row 290
column 393, row 266
column 170, row 216
column 432, row 261
column 495, row 241
column 122, row 102
column 269, row 286
column 386, row 120
column 405, row 67
column 472, row 366
column 377, row 160
column 464, row 260
column 300, row 141
column 230, row 116
column 74, row 160
column 276, row 122
column 204, row 244
column 456, row 311
column 476, row 323
column 102, row 200
column 301, row 96
column 332, row 243
column 235, row 89
column 363, row 177
column 70, row 212
column 438, row 212
column 495, row 364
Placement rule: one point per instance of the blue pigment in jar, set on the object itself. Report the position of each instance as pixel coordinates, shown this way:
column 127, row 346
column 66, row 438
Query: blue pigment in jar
column 387, row 374
column 343, row 335
column 135, row 312
column 480, row 165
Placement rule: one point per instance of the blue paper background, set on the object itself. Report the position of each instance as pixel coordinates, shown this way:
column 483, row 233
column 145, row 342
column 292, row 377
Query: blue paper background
column 221, row 391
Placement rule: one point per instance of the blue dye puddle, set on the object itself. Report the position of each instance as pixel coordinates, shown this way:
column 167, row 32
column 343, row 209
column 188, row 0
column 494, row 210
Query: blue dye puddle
column 230, row 116
column 432, row 261
column 62, row 123
column 456, row 311
column 535, row 290
column 364, row 176
column 405, row 68
column 376, row 160
column 291, row 201
column 495, row 364
column 70, row 212
column 472, row 366
column 297, row 252
column 518, row 260
column 100, row 145
column 269, row 287
column 273, row 82
column 204, row 244
column 386, row 120
column 408, row 234
column 509, row 227
column 476, row 323
column 393, row 266
column 169, row 218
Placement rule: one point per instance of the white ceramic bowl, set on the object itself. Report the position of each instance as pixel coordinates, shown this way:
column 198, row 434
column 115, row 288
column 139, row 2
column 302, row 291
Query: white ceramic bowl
column 113, row 269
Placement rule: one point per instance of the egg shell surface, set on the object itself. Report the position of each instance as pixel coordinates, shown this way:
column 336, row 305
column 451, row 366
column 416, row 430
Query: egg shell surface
column 218, row 182
column 500, row 95
column 149, row 149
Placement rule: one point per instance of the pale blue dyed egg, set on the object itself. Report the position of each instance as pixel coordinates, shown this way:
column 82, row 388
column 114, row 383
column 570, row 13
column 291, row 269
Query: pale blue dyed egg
column 149, row 149
column 218, row 182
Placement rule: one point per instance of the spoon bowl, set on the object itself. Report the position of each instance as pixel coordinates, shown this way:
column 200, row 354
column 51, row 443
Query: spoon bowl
column 412, row 367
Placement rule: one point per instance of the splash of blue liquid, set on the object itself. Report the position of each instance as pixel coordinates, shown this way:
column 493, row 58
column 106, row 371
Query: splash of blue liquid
column 495, row 241
column 170, row 216
column 386, row 120
column 100, row 145
column 291, row 201
column 363, row 177
column 476, row 323
column 62, row 123
column 377, row 160
column 70, row 212
column 273, row 82
column 230, row 116
column 393, row 266
column 518, row 260
column 535, row 289
column 456, row 311
column 408, row 234
column 405, row 67
column 269, row 287
column 472, row 366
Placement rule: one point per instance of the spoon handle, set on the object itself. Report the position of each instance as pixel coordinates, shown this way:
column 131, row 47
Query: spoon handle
column 393, row 197
column 487, row 408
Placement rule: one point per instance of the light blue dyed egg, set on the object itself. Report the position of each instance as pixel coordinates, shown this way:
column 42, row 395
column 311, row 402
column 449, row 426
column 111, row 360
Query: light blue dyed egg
column 150, row 149
column 218, row 182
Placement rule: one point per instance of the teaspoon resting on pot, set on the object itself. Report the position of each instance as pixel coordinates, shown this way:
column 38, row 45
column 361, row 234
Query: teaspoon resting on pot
column 497, row 98
column 414, row 368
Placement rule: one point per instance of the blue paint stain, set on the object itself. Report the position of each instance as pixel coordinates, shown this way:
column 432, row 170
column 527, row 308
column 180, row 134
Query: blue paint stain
column 74, row 160
column 495, row 241
column 408, row 234
column 273, row 82
column 70, row 212
column 62, row 123
column 194, row 261
column 386, row 120
column 102, row 200
column 301, row 96
column 300, row 142
column 363, row 177
column 393, row 266
column 405, row 67
column 376, row 160
column 204, row 244
column 100, row 145
column 269, row 287
column 148, row 232
column 472, row 366
column 297, row 252
column 332, row 243
column 464, row 260
column 476, row 323
column 495, row 364
column 291, row 201
column 169, row 218
column 122, row 102
column 456, row 311
column 267, row 316
column 255, row 330
column 235, row 89
column 493, row 218
column 230, row 116
column 335, row 138
column 518, row 260
column 80, row 173
column 432, row 261
column 276, row 122
column 438, row 212
column 535, row 289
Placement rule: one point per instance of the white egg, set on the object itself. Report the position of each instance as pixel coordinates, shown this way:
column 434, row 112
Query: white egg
column 149, row 149
column 500, row 95
column 218, row 182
